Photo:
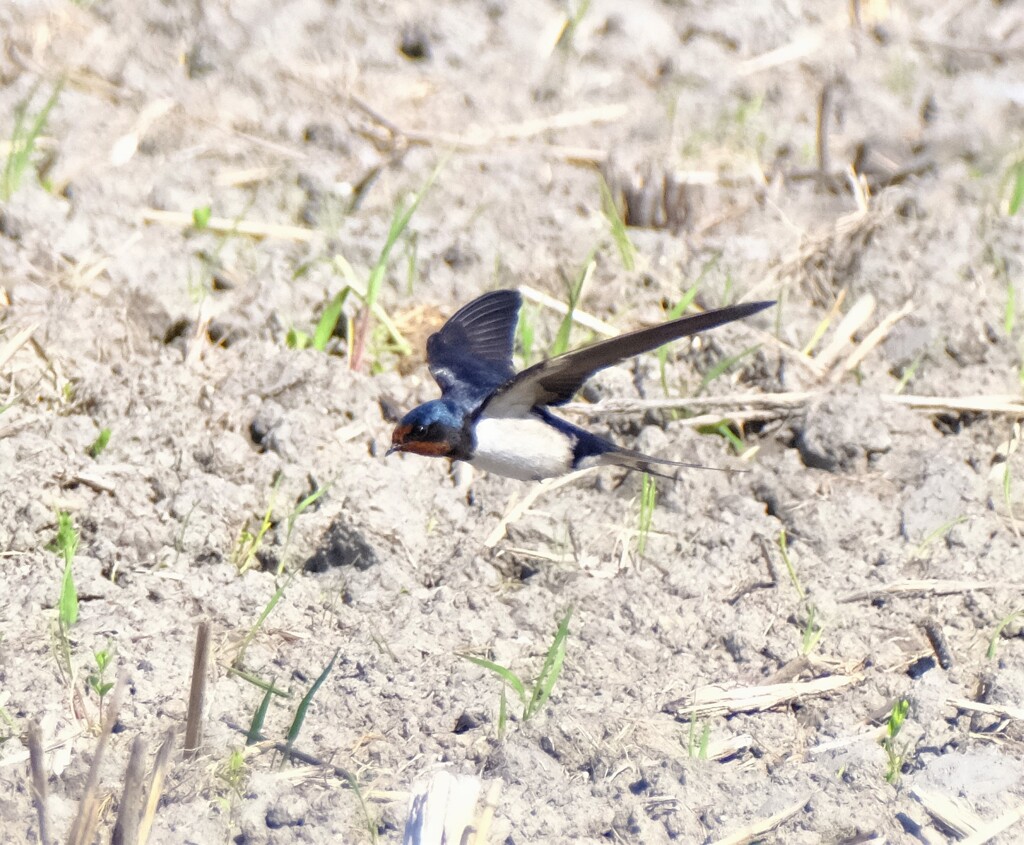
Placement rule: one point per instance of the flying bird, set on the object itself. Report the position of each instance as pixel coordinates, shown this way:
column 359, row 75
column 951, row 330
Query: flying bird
column 499, row 420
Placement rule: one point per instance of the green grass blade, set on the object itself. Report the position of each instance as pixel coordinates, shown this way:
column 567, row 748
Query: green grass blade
column 67, row 545
column 328, row 321
column 627, row 252
column 723, row 366
column 507, row 675
column 15, row 164
column 399, row 222
column 307, row 699
column 100, row 443
column 502, row 714
column 258, row 624
column 297, row 511
column 648, row 499
column 23, row 142
column 67, row 608
column 552, row 668
column 259, row 717
column 990, row 653
column 1017, row 191
column 341, row 265
column 790, row 568
column 561, row 344
column 67, row 537
column 724, row 430
column 257, row 681
column 201, row 217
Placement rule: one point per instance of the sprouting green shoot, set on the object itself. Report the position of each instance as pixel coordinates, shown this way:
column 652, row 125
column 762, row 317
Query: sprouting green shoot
column 258, row 682
column 328, row 322
column 97, row 679
column 811, row 629
column 550, row 671
column 371, row 822
column 279, row 592
column 697, row 746
column 268, row 608
column 627, row 252
column 249, row 542
column 724, row 429
column 502, row 713
column 510, row 678
column 255, row 733
column 201, row 216
column 23, row 141
column 909, row 373
column 573, row 19
column 399, row 222
column 575, row 291
column 784, row 550
column 411, row 261
column 723, row 366
column 334, row 311
column 232, row 772
column 1006, row 620
column 895, row 752
column 67, row 545
column 307, row 699
column 1015, row 180
column 1007, row 450
column 100, row 443
column 532, row 697
column 297, row 511
column 298, row 339
column 648, row 499
column 941, row 531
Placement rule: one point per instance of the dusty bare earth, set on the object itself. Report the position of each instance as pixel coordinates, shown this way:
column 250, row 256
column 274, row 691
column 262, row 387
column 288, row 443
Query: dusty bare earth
column 310, row 122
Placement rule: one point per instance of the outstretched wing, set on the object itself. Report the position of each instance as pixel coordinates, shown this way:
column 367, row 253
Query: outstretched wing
column 556, row 381
column 471, row 356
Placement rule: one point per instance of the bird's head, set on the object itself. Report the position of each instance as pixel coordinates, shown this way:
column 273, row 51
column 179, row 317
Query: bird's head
column 435, row 429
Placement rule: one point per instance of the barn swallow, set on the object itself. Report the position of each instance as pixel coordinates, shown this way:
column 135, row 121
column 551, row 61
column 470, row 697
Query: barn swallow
column 499, row 420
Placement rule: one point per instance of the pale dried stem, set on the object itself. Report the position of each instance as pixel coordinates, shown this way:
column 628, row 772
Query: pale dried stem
column 160, row 768
column 84, row 826
column 129, row 812
column 228, row 226
column 714, row 701
column 757, row 829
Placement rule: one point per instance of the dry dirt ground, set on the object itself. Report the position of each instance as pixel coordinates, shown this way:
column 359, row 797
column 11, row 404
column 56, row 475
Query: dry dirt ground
column 858, row 162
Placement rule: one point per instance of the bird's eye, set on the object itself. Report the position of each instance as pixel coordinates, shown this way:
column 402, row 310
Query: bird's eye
column 418, row 431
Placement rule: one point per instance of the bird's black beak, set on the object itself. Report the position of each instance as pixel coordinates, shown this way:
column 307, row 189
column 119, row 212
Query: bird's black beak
column 394, row 447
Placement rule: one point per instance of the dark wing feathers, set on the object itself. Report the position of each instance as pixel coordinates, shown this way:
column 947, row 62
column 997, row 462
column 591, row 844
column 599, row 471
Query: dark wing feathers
column 556, row 381
column 471, row 355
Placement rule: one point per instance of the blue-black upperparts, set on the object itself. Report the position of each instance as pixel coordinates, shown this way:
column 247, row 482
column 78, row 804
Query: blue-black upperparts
column 557, row 380
column 471, row 355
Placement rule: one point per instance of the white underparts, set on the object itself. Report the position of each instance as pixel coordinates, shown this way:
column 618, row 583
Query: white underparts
column 526, row 448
